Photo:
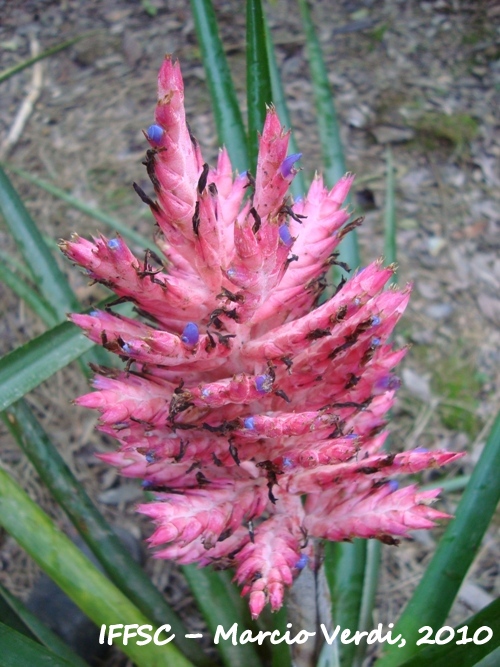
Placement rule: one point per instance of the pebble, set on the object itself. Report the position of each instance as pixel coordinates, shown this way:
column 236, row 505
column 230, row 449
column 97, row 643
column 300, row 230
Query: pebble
column 439, row 311
column 390, row 134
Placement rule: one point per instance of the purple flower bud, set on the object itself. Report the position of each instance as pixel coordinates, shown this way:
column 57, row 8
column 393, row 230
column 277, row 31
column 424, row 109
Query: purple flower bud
column 287, row 462
column 285, row 235
column 147, row 484
column 263, row 383
column 421, row 450
column 387, row 383
column 150, row 456
column 287, row 164
column 375, row 321
column 94, row 313
column 243, row 175
column 376, row 342
column 394, row 382
column 393, row 485
column 155, row 134
column 127, row 348
column 249, row 422
column 191, row 334
column 352, row 436
column 114, row 244
column 302, row 562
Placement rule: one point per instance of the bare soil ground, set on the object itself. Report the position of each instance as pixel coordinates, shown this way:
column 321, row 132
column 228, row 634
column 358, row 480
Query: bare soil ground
column 422, row 78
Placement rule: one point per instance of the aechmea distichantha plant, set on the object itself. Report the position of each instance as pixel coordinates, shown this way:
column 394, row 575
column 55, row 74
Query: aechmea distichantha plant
column 255, row 415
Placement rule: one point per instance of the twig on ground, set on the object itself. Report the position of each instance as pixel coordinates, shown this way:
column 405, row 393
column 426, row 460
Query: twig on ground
column 421, row 423
column 27, row 106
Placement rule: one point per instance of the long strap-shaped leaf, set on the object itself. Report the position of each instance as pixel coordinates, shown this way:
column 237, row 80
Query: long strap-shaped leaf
column 79, row 205
column 29, row 365
column 216, row 606
column 17, row 650
column 464, row 655
column 228, row 120
column 43, row 268
column 345, row 563
column 439, row 586
column 30, row 296
column 331, row 145
column 368, row 595
column 374, row 547
column 258, row 79
column 298, row 186
column 96, row 596
column 345, row 573
column 71, row 496
column 491, row 660
column 32, row 628
column 390, row 247
column 7, row 73
column 49, row 279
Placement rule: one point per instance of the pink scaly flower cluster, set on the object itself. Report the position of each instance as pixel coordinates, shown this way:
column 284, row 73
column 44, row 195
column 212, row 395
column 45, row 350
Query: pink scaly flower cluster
column 253, row 414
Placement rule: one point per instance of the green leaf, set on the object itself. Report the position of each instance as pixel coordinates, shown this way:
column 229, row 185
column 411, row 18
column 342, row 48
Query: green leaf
column 79, row 205
column 50, row 280
column 464, row 655
column 345, row 573
column 373, row 547
column 32, row 299
column 258, row 78
column 44, row 270
column 491, row 660
column 345, row 563
column 281, row 655
column 368, row 595
column 75, row 575
column 443, row 577
column 29, row 365
column 228, row 120
column 11, row 617
column 448, row 485
column 121, row 568
column 298, row 186
column 19, row 651
column 329, row 132
column 390, row 247
column 15, row 264
column 210, row 591
column 7, row 73
column 30, row 626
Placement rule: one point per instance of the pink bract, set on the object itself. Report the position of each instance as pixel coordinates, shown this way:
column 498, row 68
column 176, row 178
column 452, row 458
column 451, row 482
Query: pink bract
column 254, row 414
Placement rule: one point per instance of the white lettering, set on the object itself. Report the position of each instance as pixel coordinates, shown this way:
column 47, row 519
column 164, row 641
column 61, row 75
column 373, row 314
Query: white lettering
column 220, row 632
column 329, row 638
column 147, row 636
column 156, row 637
column 114, row 631
column 344, row 637
column 302, row 637
column 130, row 632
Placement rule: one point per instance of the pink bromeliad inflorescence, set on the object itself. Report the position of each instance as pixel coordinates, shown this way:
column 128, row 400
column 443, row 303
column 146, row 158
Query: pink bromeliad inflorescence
column 255, row 415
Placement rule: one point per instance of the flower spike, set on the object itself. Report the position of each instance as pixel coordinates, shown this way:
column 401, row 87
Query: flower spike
column 240, row 394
